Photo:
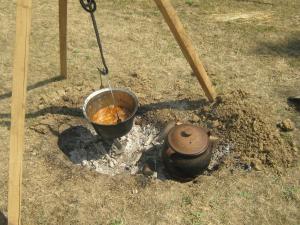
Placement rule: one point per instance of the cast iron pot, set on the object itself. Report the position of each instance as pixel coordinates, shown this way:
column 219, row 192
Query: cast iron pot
column 187, row 152
column 102, row 98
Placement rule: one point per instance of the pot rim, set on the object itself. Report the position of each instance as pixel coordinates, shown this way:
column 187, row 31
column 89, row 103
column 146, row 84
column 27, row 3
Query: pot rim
column 95, row 93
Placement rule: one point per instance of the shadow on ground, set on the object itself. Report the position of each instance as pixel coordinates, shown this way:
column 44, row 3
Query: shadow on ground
column 81, row 139
column 288, row 48
column 3, row 220
column 183, row 104
column 34, row 86
column 255, row 2
column 151, row 161
column 64, row 110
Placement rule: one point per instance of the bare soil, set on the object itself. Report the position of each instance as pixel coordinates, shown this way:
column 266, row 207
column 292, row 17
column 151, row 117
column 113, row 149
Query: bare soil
column 251, row 51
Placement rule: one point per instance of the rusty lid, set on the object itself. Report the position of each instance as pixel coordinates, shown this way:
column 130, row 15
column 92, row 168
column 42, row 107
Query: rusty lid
column 188, row 139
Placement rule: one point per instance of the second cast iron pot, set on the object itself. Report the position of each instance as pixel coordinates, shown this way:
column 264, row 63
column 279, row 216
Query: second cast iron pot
column 187, row 151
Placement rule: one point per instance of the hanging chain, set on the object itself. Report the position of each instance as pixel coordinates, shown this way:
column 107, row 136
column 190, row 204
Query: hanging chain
column 90, row 6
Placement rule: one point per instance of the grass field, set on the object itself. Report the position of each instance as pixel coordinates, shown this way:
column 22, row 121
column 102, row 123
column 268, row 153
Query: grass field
column 249, row 45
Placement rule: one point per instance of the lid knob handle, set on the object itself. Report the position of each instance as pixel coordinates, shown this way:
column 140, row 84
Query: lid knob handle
column 186, row 133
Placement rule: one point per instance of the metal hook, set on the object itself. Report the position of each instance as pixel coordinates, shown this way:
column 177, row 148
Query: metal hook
column 90, row 5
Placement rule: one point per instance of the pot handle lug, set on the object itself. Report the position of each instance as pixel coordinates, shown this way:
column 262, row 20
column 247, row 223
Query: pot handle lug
column 169, row 152
column 208, row 132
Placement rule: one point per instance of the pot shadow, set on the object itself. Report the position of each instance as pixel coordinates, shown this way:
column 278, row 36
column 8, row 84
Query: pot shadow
column 3, row 219
column 79, row 144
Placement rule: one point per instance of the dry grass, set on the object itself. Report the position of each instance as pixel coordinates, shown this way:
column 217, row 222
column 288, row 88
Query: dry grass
column 259, row 55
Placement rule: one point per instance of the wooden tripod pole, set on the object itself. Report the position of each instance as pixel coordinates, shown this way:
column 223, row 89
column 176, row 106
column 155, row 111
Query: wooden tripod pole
column 63, row 15
column 23, row 24
column 186, row 46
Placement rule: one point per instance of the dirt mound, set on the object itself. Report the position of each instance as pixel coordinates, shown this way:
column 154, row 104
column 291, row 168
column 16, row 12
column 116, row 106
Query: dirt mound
column 251, row 130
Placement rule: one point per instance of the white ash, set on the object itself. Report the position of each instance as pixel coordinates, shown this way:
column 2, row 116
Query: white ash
column 127, row 154
column 218, row 154
column 116, row 157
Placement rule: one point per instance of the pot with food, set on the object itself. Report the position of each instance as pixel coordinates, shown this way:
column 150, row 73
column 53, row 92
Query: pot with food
column 111, row 111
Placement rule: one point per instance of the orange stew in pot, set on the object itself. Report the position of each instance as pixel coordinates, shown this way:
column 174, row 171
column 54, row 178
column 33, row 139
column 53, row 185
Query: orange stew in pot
column 110, row 115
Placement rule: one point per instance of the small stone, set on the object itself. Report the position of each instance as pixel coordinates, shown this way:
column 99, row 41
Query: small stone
column 135, row 75
column 287, row 125
column 256, row 164
column 247, row 167
column 215, row 123
column 261, row 146
column 40, row 129
column 158, row 97
column 66, row 98
column 147, row 171
column 127, row 167
column 150, row 140
column 61, row 92
column 295, row 149
column 134, row 170
column 114, row 161
column 63, row 127
column 219, row 99
column 134, row 191
column 267, row 149
column 43, row 98
column 50, row 121
column 155, row 175
column 111, row 164
column 138, row 121
column 195, row 118
column 41, row 106
column 205, row 109
column 141, row 95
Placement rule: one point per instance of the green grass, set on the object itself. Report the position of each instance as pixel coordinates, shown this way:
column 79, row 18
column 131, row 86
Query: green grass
column 287, row 137
column 189, row 2
column 245, row 194
column 290, row 192
column 187, row 200
column 195, row 218
column 116, row 222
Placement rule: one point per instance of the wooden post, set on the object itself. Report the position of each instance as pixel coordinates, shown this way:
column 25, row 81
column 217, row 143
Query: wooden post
column 186, row 46
column 63, row 36
column 23, row 24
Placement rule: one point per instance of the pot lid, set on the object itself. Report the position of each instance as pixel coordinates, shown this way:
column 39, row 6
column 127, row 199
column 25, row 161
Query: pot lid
column 188, row 139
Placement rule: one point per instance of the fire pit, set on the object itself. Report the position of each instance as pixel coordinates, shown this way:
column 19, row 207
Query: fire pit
column 105, row 98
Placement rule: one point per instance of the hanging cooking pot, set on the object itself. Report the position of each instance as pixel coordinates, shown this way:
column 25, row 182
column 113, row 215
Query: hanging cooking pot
column 103, row 98
column 187, row 152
